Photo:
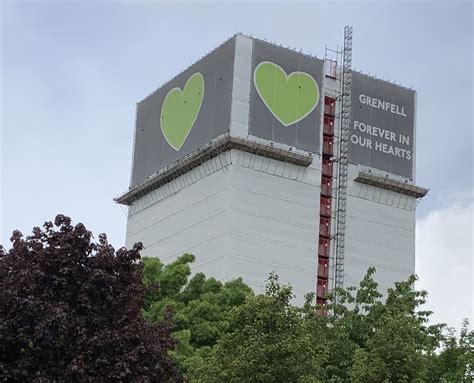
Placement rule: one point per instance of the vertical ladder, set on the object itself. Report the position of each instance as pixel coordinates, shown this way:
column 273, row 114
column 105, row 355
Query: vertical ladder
column 343, row 157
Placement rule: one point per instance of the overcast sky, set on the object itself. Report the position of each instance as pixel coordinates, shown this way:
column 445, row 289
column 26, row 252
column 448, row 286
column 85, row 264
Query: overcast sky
column 72, row 73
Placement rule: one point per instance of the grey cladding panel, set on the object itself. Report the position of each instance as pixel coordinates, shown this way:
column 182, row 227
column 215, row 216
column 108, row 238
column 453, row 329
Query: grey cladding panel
column 152, row 151
column 382, row 125
column 303, row 132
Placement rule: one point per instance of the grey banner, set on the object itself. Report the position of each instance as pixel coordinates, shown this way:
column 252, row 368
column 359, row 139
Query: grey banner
column 191, row 116
column 283, row 107
column 382, row 126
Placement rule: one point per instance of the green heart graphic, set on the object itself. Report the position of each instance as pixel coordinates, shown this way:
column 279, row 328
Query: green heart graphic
column 291, row 97
column 180, row 110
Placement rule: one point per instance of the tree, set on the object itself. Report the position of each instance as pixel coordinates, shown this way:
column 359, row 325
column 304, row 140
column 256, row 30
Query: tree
column 267, row 342
column 71, row 310
column 349, row 325
column 455, row 362
column 402, row 346
column 202, row 305
column 361, row 339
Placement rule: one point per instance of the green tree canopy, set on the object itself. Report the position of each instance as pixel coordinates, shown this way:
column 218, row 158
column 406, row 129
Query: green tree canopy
column 202, row 306
column 362, row 338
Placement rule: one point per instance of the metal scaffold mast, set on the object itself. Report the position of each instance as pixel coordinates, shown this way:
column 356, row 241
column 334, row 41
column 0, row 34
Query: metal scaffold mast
column 343, row 155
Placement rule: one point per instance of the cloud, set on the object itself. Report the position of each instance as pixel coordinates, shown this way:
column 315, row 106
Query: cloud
column 444, row 264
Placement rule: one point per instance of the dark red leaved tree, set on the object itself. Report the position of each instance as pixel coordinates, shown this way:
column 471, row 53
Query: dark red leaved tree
column 71, row 310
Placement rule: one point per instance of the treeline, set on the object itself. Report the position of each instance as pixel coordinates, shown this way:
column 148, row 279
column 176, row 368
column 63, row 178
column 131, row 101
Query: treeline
column 228, row 334
column 72, row 309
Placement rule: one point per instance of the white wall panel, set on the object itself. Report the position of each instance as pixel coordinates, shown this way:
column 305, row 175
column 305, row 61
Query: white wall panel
column 380, row 232
column 184, row 215
column 378, row 253
column 239, row 115
column 254, row 216
column 385, row 277
column 211, row 256
column 161, row 202
column 260, row 205
column 187, row 237
column 257, row 215
column 275, row 186
column 255, row 272
column 192, row 219
column 270, row 230
column 274, row 225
